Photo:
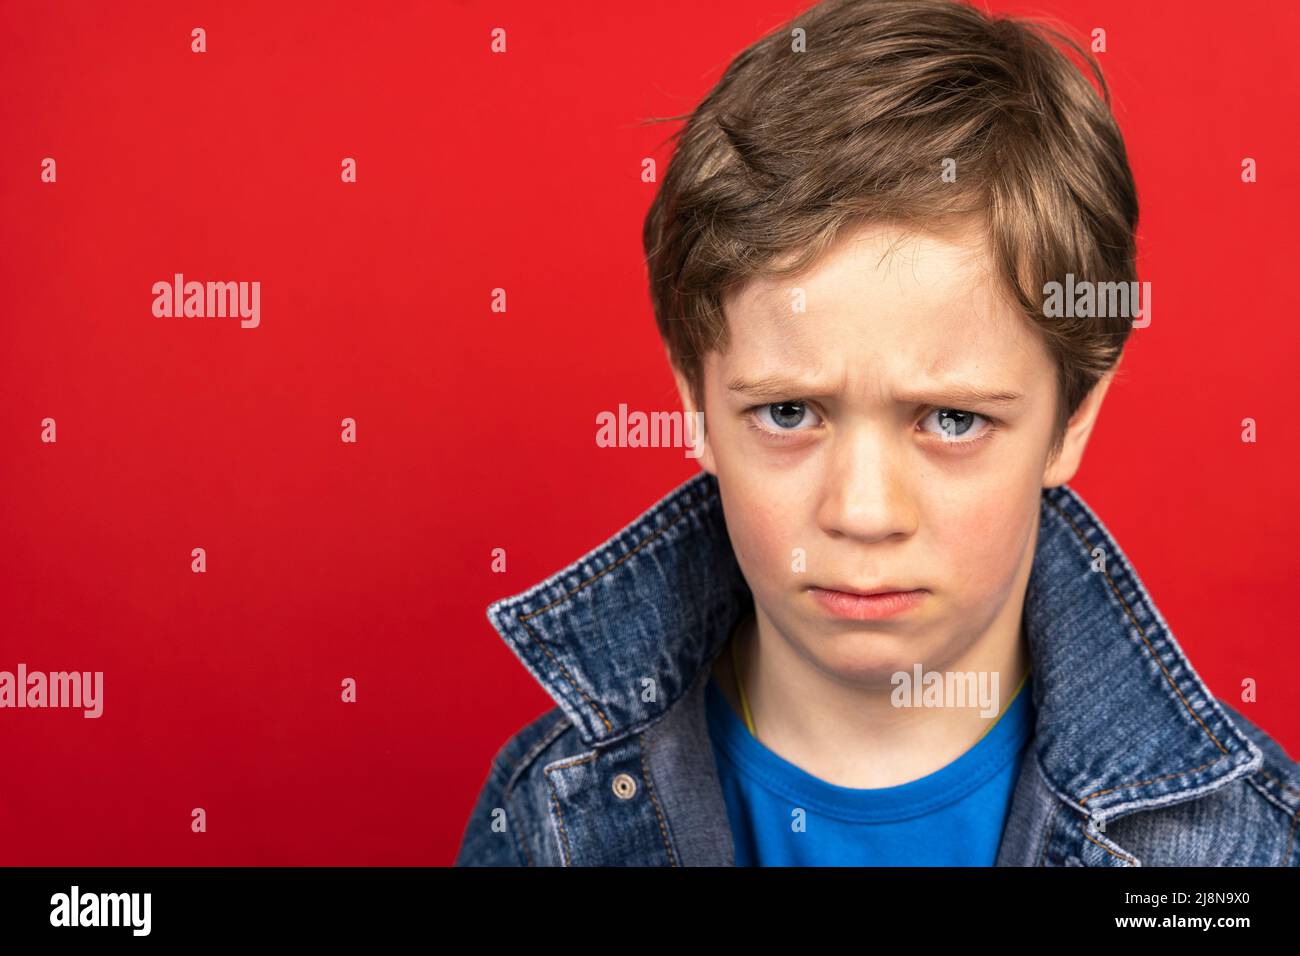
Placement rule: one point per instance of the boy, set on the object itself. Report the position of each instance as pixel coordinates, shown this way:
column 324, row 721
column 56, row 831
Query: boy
column 879, row 628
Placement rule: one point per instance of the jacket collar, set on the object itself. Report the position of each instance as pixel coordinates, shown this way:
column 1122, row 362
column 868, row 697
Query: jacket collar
column 1123, row 721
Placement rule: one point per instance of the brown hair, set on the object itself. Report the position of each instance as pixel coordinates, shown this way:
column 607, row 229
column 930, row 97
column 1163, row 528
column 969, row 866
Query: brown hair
column 791, row 147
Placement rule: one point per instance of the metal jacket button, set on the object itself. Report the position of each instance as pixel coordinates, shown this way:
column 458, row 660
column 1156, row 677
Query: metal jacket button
column 624, row 786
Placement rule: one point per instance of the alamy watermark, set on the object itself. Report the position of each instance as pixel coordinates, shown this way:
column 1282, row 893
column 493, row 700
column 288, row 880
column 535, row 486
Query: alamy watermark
column 75, row 908
column 84, row 689
column 199, row 300
column 624, row 429
column 946, row 689
column 1085, row 299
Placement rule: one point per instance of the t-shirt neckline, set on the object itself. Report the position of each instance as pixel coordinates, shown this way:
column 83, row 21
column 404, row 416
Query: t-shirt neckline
column 934, row 791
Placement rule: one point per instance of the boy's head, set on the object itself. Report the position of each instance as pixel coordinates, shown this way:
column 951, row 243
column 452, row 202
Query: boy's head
column 859, row 217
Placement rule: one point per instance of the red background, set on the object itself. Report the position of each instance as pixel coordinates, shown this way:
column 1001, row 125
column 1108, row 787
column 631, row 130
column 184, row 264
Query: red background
column 476, row 429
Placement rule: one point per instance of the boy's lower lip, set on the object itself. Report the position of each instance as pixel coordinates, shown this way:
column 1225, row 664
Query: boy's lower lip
column 866, row 607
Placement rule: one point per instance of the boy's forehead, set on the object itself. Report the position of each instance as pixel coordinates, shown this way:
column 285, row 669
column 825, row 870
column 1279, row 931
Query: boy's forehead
column 886, row 261
column 923, row 301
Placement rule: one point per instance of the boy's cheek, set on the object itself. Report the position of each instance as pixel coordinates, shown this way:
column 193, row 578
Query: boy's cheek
column 766, row 538
column 978, row 556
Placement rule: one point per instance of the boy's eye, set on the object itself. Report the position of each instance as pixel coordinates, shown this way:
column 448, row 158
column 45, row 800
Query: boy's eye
column 786, row 416
column 954, row 424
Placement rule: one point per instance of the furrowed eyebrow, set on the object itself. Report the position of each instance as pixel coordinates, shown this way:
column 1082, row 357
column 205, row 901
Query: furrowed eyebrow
column 963, row 393
column 957, row 393
column 769, row 387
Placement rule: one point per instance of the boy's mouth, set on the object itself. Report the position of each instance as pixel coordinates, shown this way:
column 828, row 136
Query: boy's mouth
column 872, row 605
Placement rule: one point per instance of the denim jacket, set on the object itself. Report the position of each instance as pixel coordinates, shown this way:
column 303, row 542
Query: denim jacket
column 1133, row 762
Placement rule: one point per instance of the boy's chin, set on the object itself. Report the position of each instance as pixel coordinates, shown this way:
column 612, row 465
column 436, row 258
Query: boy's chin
column 870, row 661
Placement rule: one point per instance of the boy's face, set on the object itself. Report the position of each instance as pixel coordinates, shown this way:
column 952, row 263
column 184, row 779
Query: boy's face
column 844, row 445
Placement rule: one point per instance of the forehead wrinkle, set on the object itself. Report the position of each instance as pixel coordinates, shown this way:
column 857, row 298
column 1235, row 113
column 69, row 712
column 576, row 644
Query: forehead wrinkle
column 960, row 247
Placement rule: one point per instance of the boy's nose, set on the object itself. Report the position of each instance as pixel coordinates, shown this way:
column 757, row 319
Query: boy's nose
column 867, row 490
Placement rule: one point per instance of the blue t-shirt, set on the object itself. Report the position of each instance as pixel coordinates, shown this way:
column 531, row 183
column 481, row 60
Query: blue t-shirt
column 951, row 817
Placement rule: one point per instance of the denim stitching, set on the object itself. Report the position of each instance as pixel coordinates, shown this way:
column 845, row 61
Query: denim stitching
column 1042, row 855
column 572, row 762
column 1127, row 859
column 521, row 766
column 1180, row 773
column 649, row 785
column 558, row 728
column 564, row 672
column 559, row 822
column 688, row 507
column 555, row 803
column 1269, row 776
column 1295, row 814
column 1141, row 630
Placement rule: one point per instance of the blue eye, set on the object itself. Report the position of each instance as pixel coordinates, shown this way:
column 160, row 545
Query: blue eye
column 785, row 416
column 955, row 424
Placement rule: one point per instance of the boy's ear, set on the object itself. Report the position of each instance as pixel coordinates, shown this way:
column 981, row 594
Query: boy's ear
column 1065, row 465
column 695, row 430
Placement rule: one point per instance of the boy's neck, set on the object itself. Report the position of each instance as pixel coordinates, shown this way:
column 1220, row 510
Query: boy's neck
column 853, row 736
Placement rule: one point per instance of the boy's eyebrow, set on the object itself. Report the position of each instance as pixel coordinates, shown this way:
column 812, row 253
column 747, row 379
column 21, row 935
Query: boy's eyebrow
column 776, row 386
